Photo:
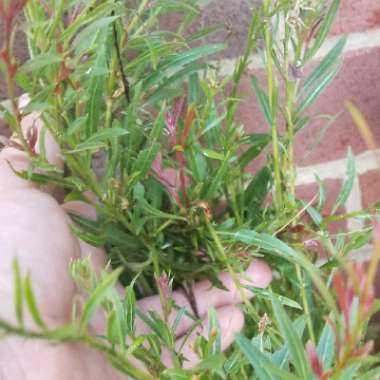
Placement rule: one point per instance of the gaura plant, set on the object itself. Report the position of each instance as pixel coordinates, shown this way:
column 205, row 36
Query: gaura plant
column 147, row 125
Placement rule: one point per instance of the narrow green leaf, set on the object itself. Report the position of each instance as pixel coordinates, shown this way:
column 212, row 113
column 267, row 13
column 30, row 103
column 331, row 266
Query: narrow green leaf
column 95, row 104
column 293, row 342
column 326, row 346
column 112, row 328
column 173, row 79
column 314, row 215
column 213, row 363
column 274, row 246
column 212, row 154
column 281, row 357
column 257, row 190
column 322, row 193
column 91, row 30
column 96, row 297
column 209, row 189
column 41, row 61
column 258, row 143
column 313, row 95
column 264, row 369
column 99, row 140
column 178, row 318
column 130, row 307
column 158, row 326
column 32, row 304
column 18, row 292
column 262, row 99
column 324, row 29
column 179, row 61
column 177, row 374
column 266, row 294
column 145, row 159
column 370, row 375
column 348, row 183
column 324, row 66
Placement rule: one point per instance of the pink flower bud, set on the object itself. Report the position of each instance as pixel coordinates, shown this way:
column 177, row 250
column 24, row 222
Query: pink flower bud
column 165, row 286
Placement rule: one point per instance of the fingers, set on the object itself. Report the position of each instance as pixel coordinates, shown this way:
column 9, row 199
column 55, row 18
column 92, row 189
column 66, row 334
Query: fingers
column 20, row 160
column 258, row 275
column 231, row 321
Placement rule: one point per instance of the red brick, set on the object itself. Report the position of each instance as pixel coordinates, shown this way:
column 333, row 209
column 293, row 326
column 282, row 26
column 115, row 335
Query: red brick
column 357, row 16
column 358, row 81
column 370, row 187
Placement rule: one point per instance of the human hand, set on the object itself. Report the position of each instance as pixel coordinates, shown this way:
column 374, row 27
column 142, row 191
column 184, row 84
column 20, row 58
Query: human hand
column 35, row 230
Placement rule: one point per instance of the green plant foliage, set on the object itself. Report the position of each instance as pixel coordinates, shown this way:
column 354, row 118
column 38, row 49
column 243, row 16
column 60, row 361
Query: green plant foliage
column 150, row 128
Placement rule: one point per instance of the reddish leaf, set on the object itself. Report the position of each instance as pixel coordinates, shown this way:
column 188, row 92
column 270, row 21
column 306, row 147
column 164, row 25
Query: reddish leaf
column 314, row 360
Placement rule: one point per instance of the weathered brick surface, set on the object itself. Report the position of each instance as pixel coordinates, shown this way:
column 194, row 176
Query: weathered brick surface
column 370, row 185
column 357, row 16
column 359, row 82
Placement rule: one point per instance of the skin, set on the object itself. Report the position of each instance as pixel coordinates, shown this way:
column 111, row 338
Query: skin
column 35, row 229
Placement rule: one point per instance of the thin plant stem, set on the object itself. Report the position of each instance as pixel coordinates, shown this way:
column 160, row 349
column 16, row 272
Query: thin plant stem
column 305, row 303
column 124, row 363
column 278, row 201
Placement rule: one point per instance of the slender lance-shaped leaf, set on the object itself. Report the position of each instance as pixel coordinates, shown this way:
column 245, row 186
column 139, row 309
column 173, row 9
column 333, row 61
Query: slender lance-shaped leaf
column 257, row 190
column 313, row 95
column 275, row 246
column 41, row 61
column 264, row 369
column 18, row 292
column 91, row 29
column 130, row 307
column 180, row 61
column 281, row 357
column 348, row 183
column 326, row 346
column 322, row 193
column 259, row 142
column 324, row 29
column 324, row 66
column 96, row 297
column 99, row 139
column 293, row 342
column 95, row 103
column 145, row 159
column 32, row 304
column 209, row 189
column 263, row 100
column 266, row 294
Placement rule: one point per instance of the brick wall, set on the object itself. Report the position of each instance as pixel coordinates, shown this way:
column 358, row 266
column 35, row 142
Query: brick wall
column 324, row 152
